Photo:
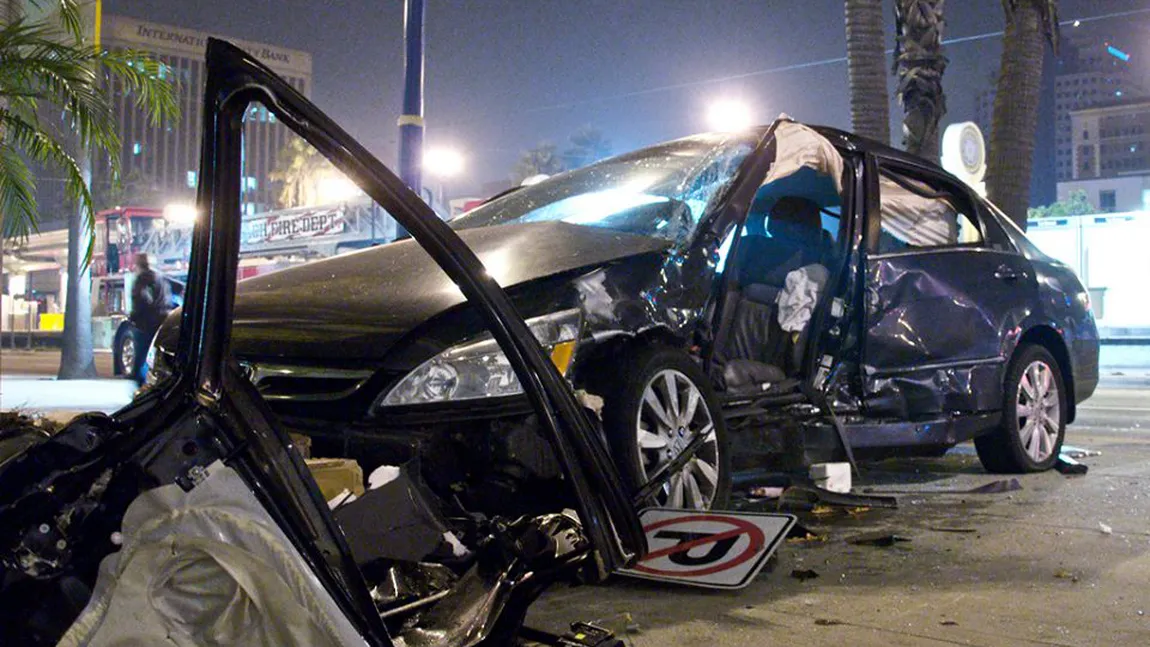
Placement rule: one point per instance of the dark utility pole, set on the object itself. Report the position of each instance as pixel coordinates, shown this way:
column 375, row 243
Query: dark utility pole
column 411, row 121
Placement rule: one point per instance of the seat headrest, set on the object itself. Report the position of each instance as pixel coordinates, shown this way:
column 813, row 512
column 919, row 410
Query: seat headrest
column 796, row 219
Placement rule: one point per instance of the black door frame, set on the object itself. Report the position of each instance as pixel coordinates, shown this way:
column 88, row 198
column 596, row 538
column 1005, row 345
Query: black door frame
column 207, row 375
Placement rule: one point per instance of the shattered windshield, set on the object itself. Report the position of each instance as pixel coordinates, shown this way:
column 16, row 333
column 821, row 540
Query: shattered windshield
column 662, row 191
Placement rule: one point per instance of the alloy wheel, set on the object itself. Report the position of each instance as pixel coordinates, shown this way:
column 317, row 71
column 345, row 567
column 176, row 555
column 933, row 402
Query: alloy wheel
column 1038, row 410
column 673, row 413
column 127, row 354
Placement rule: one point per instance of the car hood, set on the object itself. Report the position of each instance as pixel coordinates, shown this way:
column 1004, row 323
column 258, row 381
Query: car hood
column 354, row 307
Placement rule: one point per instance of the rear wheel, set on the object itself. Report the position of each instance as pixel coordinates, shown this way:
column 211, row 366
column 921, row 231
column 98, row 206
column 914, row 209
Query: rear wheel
column 1029, row 438
column 659, row 405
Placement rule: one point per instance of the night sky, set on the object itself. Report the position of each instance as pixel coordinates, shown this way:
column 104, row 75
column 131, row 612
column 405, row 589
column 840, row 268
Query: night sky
column 503, row 75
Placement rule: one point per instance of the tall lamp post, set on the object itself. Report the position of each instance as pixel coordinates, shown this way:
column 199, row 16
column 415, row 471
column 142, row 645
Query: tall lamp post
column 411, row 121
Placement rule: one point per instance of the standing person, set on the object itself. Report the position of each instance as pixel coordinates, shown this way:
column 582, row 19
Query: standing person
column 151, row 302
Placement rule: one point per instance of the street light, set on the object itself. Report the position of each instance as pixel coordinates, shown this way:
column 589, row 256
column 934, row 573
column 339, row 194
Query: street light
column 179, row 214
column 728, row 115
column 335, row 188
column 443, row 163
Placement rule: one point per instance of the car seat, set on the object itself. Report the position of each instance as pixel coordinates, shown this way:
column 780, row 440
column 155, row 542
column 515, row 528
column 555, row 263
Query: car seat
column 759, row 355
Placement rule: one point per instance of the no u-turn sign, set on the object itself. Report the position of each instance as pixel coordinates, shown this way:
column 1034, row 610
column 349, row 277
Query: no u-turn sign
column 716, row 550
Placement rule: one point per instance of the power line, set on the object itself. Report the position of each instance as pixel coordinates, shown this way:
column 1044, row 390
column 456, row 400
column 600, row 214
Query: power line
column 800, row 66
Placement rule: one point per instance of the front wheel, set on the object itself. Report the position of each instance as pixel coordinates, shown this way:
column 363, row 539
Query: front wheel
column 658, row 405
column 1029, row 438
column 125, row 352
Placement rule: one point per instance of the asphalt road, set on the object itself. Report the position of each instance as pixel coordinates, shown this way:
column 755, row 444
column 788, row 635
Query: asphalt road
column 1029, row 567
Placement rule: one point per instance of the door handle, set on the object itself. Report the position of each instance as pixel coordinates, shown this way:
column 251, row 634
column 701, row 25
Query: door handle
column 1006, row 273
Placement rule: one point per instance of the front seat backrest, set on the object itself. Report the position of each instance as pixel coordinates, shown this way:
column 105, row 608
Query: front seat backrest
column 797, row 221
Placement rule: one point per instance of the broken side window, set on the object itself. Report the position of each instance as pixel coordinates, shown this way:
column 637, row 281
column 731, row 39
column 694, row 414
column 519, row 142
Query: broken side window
column 917, row 215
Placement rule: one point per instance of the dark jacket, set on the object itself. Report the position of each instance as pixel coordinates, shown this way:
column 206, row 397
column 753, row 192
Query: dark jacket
column 151, row 300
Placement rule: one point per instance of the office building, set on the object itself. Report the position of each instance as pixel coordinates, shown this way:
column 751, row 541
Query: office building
column 166, row 158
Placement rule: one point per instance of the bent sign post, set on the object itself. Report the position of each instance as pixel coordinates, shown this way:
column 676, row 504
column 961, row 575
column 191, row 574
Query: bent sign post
column 723, row 550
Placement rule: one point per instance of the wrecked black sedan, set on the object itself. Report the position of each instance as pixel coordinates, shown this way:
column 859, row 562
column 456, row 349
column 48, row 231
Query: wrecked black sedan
column 757, row 300
column 191, row 517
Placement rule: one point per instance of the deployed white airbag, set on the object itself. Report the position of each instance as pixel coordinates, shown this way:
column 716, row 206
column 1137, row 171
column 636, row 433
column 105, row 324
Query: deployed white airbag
column 800, row 295
column 914, row 219
column 798, row 147
column 207, row 567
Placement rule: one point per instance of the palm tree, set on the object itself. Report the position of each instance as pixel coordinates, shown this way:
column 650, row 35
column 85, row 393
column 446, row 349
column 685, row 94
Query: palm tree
column 299, row 167
column 866, row 67
column 919, row 64
column 587, row 145
column 47, row 68
column 544, row 159
column 1015, row 120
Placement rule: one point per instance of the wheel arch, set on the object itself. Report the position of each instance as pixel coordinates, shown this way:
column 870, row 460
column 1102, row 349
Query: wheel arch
column 1046, row 336
column 590, row 364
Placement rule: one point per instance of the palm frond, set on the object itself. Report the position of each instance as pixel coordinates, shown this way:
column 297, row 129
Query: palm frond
column 47, row 64
column 17, row 195
column 68, row 12
column 146, row 78
column 39, row 146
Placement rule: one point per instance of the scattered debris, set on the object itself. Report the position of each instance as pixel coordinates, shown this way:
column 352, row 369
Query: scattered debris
column 805, row 497
column 1079, row 452
column 334, row 475
column 953, row 529
column 825, row 622
column 835, row 477
column 881, row 539
column 800, row 534
column 822, row 510
column 1064, row 574
column 1106, row 530
column 765, row 492
column 1068, row 466
column 804, row 574
column 590, row 401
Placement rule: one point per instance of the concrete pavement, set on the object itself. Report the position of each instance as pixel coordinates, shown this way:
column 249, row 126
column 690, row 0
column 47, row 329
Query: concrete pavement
column 47, row 395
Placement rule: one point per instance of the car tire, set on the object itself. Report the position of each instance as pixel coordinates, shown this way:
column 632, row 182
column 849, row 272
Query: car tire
column 646, row 426
column 125, row 352
column 1033, row 426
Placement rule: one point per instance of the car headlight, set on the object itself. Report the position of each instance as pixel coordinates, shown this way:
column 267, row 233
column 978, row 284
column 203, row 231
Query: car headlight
column 479, row 369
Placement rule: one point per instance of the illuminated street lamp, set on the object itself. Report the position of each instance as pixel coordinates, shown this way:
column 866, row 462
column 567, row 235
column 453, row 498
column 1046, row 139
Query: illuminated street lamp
column 335, row 188
column 180, row 215
column 443, row 163
column 728, row 115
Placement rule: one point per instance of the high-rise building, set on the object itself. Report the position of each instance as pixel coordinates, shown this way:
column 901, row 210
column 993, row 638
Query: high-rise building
column 1111, row 156
column 166, row 158
column 1092, row 70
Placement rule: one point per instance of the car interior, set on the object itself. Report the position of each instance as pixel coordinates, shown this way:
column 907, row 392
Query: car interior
column 787, row 249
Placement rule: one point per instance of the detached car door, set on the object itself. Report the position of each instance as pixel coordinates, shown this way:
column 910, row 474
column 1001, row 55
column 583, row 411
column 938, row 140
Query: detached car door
column 201, row 456
column 945, row 291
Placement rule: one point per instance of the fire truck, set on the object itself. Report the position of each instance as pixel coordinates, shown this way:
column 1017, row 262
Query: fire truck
column 270, row 240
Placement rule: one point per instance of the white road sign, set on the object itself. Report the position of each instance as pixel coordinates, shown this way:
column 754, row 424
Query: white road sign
column 722, row 550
